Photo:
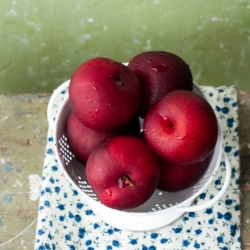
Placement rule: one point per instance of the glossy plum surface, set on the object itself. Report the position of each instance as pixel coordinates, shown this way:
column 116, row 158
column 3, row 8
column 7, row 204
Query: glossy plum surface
column 104, row 93
column 123, row 172
column 181, row 128
column 176, row 177
column 83, row 139
column 159, row 73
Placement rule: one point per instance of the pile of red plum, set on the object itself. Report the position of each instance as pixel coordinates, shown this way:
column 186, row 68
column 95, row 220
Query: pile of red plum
column 139, row 127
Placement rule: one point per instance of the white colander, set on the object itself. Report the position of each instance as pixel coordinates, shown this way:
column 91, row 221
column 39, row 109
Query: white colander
column 162, row 208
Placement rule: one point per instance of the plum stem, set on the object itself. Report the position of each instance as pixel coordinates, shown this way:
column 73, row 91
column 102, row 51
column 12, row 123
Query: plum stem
column 127, row 180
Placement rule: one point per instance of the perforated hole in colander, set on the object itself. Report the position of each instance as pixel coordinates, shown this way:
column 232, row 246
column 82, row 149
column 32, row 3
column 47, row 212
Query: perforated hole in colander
column 66, row 155
column 83, row 185
column 77, row 174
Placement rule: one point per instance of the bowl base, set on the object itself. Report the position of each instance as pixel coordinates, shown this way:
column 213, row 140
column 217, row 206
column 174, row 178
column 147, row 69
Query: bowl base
column 135, row 221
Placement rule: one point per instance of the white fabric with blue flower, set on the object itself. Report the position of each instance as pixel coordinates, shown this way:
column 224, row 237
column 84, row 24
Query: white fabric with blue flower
column 65, row 221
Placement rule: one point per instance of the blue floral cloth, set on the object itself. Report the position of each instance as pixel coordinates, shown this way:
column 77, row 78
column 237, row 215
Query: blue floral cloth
column 65, row 221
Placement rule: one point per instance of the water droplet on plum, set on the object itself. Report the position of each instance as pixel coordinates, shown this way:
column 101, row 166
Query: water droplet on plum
column 124, row 181
column 119, row 83
column 181, row 137
column 109, row 192
column 159, row 68
column 178, row 137
column 120, row 183
column 90, row 100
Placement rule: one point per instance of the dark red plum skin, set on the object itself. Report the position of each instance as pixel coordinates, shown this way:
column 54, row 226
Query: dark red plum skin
column 159, row 72
column 83, row 140
column 176, row 177
column 181, row 128
column 123, row 156
column 104, row 94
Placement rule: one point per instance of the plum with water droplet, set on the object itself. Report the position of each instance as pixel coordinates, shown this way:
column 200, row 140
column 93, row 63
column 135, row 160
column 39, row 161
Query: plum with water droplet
column 181, row 128
column 123, row 171
column 107, row 86
column 83, row 140
column 159, row 72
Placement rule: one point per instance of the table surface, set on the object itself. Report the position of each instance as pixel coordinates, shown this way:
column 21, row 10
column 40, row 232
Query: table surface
column 23, row 134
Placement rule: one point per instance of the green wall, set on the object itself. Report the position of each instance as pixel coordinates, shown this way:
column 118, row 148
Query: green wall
column 43, row 42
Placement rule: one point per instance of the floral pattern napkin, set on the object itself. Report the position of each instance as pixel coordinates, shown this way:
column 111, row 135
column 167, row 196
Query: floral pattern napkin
column 65, row 220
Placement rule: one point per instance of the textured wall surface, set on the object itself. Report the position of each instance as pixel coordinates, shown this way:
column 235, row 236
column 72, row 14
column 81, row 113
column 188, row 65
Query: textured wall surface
column 42, row 42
